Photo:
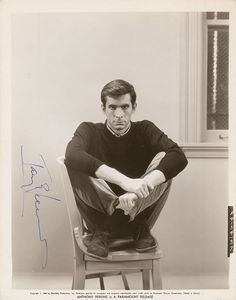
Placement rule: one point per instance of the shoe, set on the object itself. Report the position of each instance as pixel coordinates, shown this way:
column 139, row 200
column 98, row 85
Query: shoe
column 144, row 241
column 98, row 246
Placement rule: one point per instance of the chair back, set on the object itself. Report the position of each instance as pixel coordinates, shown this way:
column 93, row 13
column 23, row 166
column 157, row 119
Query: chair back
column 76, row 224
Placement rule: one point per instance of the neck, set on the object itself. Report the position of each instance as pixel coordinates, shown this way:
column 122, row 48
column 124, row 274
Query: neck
column 118, row 133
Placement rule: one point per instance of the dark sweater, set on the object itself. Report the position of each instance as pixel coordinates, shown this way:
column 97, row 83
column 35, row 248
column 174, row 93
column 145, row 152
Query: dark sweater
column 93, row 145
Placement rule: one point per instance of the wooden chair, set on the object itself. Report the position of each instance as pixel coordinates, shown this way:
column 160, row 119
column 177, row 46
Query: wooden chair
column 119, row 261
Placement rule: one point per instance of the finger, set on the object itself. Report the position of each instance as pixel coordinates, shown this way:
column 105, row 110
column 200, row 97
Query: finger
column 144, row 189
column 126, row 205
column 121, row 205
column 130, row 204
column 145, row 192
column 139, row 194
column 150, row 187
column 127, row 211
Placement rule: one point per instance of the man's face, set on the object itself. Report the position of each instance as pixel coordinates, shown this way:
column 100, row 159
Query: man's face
column 118, row 112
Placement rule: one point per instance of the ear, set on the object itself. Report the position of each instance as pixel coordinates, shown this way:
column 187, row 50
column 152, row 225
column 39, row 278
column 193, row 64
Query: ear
column 134, row 106
column 103, row 107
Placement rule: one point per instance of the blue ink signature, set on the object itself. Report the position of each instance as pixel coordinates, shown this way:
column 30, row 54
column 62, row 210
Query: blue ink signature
column 29, row 187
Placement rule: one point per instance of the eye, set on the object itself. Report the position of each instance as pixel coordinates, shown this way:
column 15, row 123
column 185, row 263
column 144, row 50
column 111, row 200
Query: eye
column 112, row 107
column 125, row 106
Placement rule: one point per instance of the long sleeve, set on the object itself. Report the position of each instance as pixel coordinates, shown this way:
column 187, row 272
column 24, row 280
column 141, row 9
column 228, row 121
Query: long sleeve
column 93, row 145
column 77, row 155
column 175, row 160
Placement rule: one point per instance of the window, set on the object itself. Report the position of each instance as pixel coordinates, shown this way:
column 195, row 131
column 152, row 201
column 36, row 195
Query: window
column 204, row 78
column 204, row 38
column 217, row 48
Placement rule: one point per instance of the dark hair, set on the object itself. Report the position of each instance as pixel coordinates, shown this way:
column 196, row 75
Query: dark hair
column 118, row 88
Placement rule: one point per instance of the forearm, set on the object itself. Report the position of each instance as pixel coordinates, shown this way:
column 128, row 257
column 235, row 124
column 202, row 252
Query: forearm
column 139, row 186
column 154, row 178
column 127, row 200
column 111, row 175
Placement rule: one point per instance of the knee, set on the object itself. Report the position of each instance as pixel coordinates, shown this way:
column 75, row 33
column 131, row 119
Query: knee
column 157, row 158
column 160, row 155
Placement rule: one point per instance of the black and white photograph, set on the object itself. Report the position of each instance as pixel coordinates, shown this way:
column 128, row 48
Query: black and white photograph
column 117, row 150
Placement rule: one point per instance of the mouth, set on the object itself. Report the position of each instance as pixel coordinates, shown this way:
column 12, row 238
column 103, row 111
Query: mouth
column 119, row 126
column 119, row 123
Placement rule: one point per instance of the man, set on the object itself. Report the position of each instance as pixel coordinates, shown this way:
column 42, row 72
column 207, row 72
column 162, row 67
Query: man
column 121, row 171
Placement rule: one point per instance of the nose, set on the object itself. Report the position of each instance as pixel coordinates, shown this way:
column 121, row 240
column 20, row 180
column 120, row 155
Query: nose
column 119, row 113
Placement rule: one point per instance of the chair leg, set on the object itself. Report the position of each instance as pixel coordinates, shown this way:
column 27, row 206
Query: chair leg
column 102, row 285
column 156, row 274
column 125, row 281
column 146, row 281
column 79, row 277
column 79, row 270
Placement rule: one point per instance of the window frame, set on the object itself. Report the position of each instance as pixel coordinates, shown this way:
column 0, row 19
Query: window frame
column 193, row 90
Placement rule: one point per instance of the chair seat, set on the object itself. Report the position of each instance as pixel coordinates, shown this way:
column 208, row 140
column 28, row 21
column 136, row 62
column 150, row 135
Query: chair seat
column 122, row 249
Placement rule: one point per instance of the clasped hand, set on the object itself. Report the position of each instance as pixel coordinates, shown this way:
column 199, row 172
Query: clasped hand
column 139, row 186
column 136, row 188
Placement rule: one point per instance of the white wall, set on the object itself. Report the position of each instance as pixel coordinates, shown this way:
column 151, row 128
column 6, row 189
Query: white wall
column 192, row 228
column 60, row 62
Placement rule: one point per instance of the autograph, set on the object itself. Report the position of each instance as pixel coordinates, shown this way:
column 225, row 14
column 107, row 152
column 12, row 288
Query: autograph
column 32, row 172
